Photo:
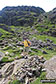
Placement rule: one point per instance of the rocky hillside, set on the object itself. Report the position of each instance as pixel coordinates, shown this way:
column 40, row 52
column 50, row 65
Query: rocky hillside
column 20, row 16
column 46, row 23
column 50, row 16
column 17, row 67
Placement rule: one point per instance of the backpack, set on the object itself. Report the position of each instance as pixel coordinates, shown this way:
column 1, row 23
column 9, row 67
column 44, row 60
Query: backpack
column 28, row 42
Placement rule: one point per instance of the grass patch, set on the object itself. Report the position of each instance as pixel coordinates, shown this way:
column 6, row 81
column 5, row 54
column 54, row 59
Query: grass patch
column 44, row 37
column 15, row 82
column 5, row 59
column 38, row 80
column 50, row 53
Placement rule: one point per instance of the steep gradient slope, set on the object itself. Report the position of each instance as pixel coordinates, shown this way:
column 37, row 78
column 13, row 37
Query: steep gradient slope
column 46, row 23
column 20, row 16
column 37, row 26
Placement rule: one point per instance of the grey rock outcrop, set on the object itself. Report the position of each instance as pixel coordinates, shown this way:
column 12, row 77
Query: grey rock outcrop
column 1, row 55
column 30, row 67
column 50, row 66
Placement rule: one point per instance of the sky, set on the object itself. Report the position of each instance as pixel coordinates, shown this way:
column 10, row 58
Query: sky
column 47, row 5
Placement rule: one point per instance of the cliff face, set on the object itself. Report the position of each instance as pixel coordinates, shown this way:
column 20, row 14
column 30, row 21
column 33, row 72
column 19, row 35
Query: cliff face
column 20, row 16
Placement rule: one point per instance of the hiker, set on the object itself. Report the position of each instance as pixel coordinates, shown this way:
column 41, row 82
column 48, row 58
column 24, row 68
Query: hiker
column 27, row 44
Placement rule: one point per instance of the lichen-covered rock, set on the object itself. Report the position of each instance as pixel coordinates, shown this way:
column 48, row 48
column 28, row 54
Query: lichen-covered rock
column 1, row 55
column 50, row 66
column 30, row 67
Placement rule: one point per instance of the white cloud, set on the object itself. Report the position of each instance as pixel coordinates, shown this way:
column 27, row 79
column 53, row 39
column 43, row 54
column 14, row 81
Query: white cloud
column 47, row 5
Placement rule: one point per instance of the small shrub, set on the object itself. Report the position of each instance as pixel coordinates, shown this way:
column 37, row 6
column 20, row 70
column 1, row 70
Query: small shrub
column 14, row 82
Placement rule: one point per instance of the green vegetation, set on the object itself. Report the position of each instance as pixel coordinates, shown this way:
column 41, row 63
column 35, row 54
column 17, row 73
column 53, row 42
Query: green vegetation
column 17, row 52
column 50, row 53
column 44, row 27
column 6, row 59
column 14, row 82
column 3, row 31
column 26, row 20
column 47, row 56
column 43, row 37
column 38, row 80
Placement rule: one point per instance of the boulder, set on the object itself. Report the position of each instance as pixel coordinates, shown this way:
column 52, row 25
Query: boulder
column 1, row 55
column 31, row 67
column 1, row 44
column 44, row 52
column 53, row 34
column 49, row 48
column 27, row 80
column 11, row 54
column 6, row 53
column 0, row 75
column 1, row 34
column 7, row 69
column 1, row 41
column 50, row 67
column 49, row 40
